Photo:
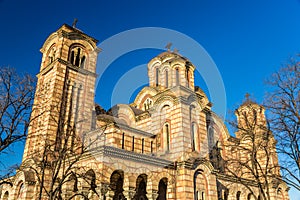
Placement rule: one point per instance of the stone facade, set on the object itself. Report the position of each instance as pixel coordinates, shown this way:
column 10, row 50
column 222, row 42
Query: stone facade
column 167, row 144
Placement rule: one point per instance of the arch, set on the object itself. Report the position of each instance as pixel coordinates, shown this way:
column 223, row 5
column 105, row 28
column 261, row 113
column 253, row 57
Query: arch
column 20, row 178
column 132, row 147
column 218, row 122
column 156, row 76
column 141, row 187
column 166, row 137
column 187, row 73
column 210, row 136
column 250, row 196
column 203, row 179
column 238, row 195
column 74, row 181
column 167, row 78
column 152, row 64
column 177, row 76
column 143, row 144
column 90, row 177
column 146, row 92
column 225, row 194
column 6, row 195
column 162, row 189
column 77, row 55
column 51, row 54
column 195, row 137
column 116, row 184
column 280, row 194
column 124, row 112
column 88, row 41
column 48, row 42
column 168, row 99
column 200, row 187
column 148, row 103
column 164, row 114
column 123, row 140
column 20, row 190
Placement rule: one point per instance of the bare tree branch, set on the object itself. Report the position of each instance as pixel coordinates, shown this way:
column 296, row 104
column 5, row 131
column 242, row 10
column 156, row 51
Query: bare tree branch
column 16, row 100
column 283, row 102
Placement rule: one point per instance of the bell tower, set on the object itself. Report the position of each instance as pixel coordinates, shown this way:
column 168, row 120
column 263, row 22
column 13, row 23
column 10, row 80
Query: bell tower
column 64, row 98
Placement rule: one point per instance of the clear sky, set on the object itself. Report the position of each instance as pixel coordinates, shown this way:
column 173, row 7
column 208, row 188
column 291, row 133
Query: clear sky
column 247, row 40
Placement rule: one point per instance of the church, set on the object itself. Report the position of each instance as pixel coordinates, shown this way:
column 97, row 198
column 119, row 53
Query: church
column 166, row 144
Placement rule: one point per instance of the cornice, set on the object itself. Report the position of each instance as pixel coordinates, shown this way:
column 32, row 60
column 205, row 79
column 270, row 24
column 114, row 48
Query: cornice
column 109, row 151
column 140, row 132
column 67, row 64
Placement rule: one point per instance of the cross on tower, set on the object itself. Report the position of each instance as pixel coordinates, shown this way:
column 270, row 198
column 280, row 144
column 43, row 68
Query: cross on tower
column 74, row 23
column 168, row 46
column 247, row 96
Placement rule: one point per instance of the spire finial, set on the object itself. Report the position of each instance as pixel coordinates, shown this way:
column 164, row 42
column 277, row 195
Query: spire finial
column 247, row 96
column 74, row 23
column 175, row 50
column 168, row 46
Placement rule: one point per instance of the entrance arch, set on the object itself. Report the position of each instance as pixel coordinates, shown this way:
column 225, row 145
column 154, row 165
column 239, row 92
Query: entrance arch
column 141, row 188
column 162, row 189
column 116, row 184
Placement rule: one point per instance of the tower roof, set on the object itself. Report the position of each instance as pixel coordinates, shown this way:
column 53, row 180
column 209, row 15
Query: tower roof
column 71, row 33
column 169, row 55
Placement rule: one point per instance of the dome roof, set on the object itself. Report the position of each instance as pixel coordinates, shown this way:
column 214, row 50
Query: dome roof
column 167, row 55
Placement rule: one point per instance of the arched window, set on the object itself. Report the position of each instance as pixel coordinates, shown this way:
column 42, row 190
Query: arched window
column 6, row 195
column 143, row 141
column 116, row 184
column 132, row 143
column 195, row 137
column 187, row 78
column 211, row 141
column 82, row 63
column 280, row 195
column 148, row 104
column 194, row 130
column 225, row 193
column 166, row 136
column 91, row 179
column 177, row 77
column 167, row 78
column 21, row 191
column 72, row 57
column 156, row 76
column 52, row 54
column 141, row 187
column 77, row 60
column 151, row 146
column 238, row 195
column 199, row 185
column 74, row 181
column 162, row 189
column 77, row 56
column 123, row 140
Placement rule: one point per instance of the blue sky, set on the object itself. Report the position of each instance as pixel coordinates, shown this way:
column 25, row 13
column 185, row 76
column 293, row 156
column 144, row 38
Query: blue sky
column 247, row 40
